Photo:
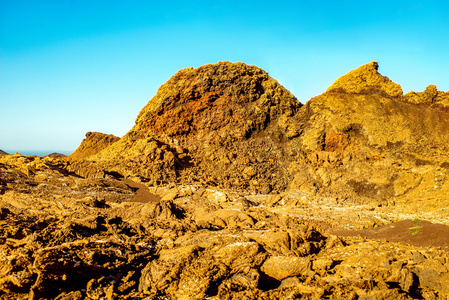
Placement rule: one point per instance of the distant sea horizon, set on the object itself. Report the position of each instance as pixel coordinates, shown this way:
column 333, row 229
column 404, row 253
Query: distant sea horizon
column 37, row 152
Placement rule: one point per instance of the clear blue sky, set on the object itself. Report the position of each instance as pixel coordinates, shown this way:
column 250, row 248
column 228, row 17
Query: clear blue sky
column 68, row 67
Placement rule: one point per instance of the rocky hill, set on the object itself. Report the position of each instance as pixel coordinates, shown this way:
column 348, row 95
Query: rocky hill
column 232, row 126
column 228, row 188
column 365, row 139
column 220, row 125
column 93, row 143
column 2, row 152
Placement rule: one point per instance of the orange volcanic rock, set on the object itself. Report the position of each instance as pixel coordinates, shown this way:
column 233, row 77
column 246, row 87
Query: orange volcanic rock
column 362, row 139
column 231, row 125
column 232, row 101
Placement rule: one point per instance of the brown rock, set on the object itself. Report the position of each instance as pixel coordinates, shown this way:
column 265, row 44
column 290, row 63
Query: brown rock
column 224, row 118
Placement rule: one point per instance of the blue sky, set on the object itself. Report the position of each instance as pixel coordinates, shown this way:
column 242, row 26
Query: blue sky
column 68, row 67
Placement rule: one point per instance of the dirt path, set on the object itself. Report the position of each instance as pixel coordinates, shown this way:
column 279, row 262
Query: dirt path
column 414, row 232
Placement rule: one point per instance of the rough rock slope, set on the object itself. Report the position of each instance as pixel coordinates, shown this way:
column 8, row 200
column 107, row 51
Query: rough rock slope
column 232, row 126
column 223, row 124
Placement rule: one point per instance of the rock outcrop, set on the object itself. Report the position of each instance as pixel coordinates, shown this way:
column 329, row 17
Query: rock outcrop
column 431, row 96
column 93, row 143
column 363, row 139
column 2, row 152
column 366, row 80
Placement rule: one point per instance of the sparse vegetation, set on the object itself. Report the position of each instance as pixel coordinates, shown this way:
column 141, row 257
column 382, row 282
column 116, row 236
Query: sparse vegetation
column 415, row 227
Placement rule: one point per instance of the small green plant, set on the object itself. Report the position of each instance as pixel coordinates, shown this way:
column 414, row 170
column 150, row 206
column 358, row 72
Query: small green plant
column 415, row 227
column 415, row 233
column 416, row 220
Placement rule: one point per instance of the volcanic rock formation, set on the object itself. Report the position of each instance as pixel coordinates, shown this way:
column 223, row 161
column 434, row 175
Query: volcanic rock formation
column 233, row 126
column 364, row 138
column 228, row 188
column 222, row 125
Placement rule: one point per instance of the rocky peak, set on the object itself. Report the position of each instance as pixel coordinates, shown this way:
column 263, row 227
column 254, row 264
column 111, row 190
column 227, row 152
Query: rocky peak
column 93, row 143
column 228, row 98
column 365, row 80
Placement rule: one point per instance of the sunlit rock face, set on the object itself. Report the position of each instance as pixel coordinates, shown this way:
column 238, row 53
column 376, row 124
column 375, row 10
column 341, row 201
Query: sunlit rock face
column 231, row 125
column 93, row 143
column 364, row 138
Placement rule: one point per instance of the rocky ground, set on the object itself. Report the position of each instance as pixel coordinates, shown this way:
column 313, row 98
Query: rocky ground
column 66, row 237
column 237, row 201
